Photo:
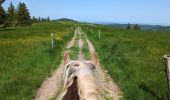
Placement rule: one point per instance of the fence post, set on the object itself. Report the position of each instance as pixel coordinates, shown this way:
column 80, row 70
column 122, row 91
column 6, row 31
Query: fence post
column 52, row 40
column 167, row 64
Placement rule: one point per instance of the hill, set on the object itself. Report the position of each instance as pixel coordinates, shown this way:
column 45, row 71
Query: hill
column 66, row 19
column 144, row 27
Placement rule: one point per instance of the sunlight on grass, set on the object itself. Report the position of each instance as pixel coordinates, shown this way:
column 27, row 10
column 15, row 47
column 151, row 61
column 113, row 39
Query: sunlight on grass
column 134, row 59
column 27, row 58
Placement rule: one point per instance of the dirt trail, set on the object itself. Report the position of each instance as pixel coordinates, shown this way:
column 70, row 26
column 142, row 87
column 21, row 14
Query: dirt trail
column 109, row 87
column 50, row 85
column 71, row 43
column 106, row 82
column 80, row 44
column 80, row 55
column 53, row 84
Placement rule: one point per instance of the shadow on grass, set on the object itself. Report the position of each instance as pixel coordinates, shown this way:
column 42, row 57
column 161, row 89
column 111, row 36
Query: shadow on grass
column 145, row 88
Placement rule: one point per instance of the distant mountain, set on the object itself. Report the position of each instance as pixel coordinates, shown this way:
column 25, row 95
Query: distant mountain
column 118, row 25
column 144, row 27
column 162, row 28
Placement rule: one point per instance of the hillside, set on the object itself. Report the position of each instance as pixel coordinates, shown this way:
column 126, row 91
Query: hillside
column 66, row 20
column 144, row 27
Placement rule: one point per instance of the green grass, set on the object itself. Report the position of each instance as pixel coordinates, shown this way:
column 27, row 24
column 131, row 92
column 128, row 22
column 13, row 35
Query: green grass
column 75, row 49
column 86, row 52
column 85, row 49
column 74, row 52
column 27, row 58
column 134, row 59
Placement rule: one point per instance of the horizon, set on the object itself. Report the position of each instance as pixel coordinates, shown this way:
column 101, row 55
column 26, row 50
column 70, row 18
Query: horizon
column 98, row 11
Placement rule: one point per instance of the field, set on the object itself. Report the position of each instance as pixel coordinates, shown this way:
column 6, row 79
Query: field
column 134, row 59
column 27, row 58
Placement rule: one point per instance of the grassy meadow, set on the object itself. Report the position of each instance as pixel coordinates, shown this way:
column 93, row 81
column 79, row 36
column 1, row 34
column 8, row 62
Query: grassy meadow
column 27, row 58
column 134, row 59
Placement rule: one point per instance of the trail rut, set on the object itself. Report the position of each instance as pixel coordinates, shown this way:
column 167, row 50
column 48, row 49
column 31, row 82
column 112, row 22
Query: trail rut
column 108, row 86
column 54, row 83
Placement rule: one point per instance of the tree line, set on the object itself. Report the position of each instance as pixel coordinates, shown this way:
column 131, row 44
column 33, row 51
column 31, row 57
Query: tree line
column 134, row 27
column 19, row 16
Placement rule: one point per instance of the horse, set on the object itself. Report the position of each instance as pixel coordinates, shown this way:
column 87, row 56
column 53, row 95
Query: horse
column 80, row 81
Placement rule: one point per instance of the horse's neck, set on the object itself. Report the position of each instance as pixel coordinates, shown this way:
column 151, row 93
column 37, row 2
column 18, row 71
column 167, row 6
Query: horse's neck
column 87, row 85
column 92, row 97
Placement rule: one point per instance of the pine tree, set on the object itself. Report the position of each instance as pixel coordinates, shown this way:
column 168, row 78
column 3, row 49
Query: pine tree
column 33, row 19
column 39, row 19
column 2, row 16
column 48, row 18
column 10, row 15
column 36, row 20
column 23, row 15
column 45, row 19
column 128, row 26
column 42, row 19
column 1, row 2
column 136, row 27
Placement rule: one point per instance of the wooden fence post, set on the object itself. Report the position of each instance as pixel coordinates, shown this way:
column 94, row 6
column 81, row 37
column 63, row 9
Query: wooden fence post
column 52, row 40
column 167, row 63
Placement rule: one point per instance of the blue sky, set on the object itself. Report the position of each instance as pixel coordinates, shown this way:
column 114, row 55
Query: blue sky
column 115, row 11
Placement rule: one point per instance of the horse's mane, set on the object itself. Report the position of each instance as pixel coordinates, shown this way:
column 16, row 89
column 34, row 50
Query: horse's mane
column 72, row 92
column 70, row 88
column 77, row 85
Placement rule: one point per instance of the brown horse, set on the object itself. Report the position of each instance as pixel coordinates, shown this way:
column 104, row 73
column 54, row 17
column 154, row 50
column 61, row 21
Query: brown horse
column 80, row 80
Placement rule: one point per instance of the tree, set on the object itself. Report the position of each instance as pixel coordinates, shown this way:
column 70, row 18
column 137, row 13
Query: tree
column 128, row 26
column 1, row 2
column 2, row 16
column 23, row 15
column 10, row 15
column 136, row 27
column 39, row 19
column 33, row 19
column 42, row 19
column 48, row 18
column 36, row 20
